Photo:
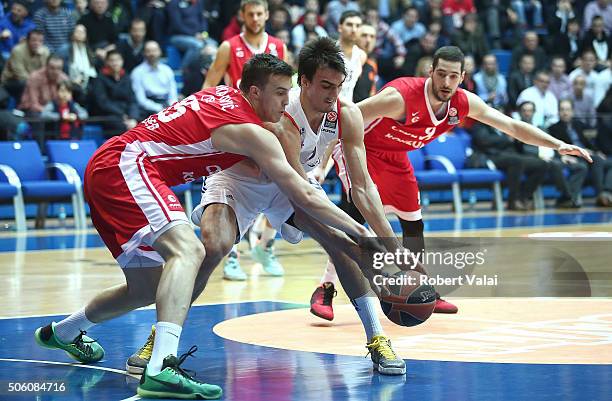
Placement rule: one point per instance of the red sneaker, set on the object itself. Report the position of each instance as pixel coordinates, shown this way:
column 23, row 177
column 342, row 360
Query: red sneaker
column 321, row 301
column 443, row 306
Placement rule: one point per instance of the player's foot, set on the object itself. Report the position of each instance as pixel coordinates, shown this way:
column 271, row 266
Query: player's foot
column 384, row 358
column 175, row 382
column 139, row 359
column 232, row 270
column 265, row 256
column 443, row 306
column 321, row 301
column 82, row 348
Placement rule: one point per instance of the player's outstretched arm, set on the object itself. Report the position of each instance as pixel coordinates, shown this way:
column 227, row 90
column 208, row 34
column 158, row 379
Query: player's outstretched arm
column 386, row 103
column 219, row 66
column 262, row 146
column 520, row 130
column 289, row 138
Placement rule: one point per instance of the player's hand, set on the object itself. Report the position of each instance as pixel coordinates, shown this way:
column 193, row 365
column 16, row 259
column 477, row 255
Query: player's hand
column 573, row 150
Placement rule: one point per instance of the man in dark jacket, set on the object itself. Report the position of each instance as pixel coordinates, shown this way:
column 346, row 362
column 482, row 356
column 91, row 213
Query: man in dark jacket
column 187, row 27
column 572, row 131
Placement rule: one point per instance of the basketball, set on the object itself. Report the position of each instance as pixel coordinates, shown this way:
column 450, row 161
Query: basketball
column 409, row 303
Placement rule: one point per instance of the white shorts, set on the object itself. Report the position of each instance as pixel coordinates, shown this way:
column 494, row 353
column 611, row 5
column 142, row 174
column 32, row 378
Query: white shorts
column 248, row 198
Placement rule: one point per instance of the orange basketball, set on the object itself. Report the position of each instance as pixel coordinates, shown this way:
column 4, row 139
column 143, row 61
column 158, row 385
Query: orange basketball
column 410, row 303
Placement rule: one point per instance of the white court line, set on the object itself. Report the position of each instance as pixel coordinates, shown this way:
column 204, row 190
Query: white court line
column 134, row 398
column 76, row 365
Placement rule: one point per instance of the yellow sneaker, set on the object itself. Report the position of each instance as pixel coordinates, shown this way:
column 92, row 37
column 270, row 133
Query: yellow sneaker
column 139, row 360
column 384, row 358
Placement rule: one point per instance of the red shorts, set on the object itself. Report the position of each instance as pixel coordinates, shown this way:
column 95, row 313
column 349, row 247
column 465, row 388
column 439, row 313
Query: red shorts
column 130, row 204
column 393, row 175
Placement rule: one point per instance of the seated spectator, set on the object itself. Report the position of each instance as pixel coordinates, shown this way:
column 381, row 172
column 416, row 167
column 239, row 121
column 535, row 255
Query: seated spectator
column 311, row 5
column 80, row 9
column 113, row 97
column 102, row 31
column 560, row 18
column 14, row 26
column 334, row 10
column 597, row 40
column 435, row 27
column 570, row 187
column 131, row 47
column 187, row 27
column 584, row 106
column 502, row 150
column 279, row 20
column 152, row 82
column 408, row 28
column 530, row 45
column 588, row 62
column 572, row 132
column 529, row 13
column 56, row 23
column 560, row 84
column 598, row 7
column 41, row 86
column 470, row 38
column 431, row 11
column 10, row 122
column 121, row 12
column 389, row 52
column 567, row 43
column 366, row 84
column 547, row 106
column 520, row 79
column 469, row 66
column 424, row 66
column 605, row 80
column 426, row 46
column 454, row 11
column 67, row 114
column 26, row 57
column 604, row 124
column 300, row 32
column 79, row 61
column 491, row 86
column 153, row 13
column 195, row 72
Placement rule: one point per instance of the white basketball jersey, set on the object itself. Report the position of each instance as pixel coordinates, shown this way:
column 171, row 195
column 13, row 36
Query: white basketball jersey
column 353, row 72
column 314, row 144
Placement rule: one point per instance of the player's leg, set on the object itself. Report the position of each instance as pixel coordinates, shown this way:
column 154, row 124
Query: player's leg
column 263, row 249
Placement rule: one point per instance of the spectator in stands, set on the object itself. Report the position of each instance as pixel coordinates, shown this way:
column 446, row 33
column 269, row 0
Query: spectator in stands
column 26, row 57
column 132, row 46
column 56, row 23
column 152, row 82
column 597, row 40
column 279, row 20
column 79, row 61
column 67, row 114
column 560, row 84
column 470, row 38
column 521, row 79
column 312, row 5
column 14, row 26
column 408, row 28
column 80, row 9
column 195, row 72
column 153, row 13
column 547, row 106
column 454, row 11
column 584, row 106
column 435, row 27
column 529, row 13
column 560, row 18
column 469, row 66
column 300, row 32
column 335, row 8
column 569, row 188
column 366, row 84
column 604, row 124
column 567, row 43
column 605, row 80
column 602, row 8
column 491, row 86
column 187, row 27
column 530, row 45
column 572, row 131
column 41, row 86
column 113, row 97
column 502, row 151
column 588, row 61
column 390, row 52
column 101, row 28
column 121, row 12
column 426, row 46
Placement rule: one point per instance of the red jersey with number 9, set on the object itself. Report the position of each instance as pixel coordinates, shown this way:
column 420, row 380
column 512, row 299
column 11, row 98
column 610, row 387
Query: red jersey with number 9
column 177, row 140
column 241, row 52
column 420, row 125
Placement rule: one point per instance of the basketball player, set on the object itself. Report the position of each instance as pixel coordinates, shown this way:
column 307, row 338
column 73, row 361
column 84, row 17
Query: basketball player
column 144, row 226
column 355, row 58
column 228, row 63
column 232, row 199
column 405, row 115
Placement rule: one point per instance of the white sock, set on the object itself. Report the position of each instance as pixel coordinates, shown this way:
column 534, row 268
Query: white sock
column 330, row 275
column 69, row 328
column 366, row 309
column 267, row 237
column 167, row 337
column 256, row 229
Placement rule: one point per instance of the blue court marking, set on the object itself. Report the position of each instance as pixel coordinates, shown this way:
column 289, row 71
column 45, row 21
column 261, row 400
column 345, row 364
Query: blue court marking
column 432, row 224
column 255, row 373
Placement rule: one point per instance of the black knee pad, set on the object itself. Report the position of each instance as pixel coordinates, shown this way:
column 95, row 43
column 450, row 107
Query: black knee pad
column 413, row 235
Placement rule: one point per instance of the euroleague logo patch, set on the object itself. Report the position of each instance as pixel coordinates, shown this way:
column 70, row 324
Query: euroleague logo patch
column 331, row 120
column 452, row 116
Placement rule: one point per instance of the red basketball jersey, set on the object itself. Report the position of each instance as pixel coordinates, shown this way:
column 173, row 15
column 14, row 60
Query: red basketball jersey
column 241, row 52
column 177, row 140
column 421, row 125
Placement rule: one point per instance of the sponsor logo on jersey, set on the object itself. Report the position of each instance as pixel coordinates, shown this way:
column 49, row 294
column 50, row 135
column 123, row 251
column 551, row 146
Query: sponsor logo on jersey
column 239, row 52
column 272, row 49
column 171, row 198
column 415, row 117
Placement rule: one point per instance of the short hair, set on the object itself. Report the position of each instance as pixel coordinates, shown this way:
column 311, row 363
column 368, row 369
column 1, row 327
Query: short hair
column 525, row 103
column 448, row 53
column 319, row 53
column 66, row 84
column 138, row 21
column 34, row 32
column 245, row 3
column 111, row 53
column 348, row 14
column 570, row 101
column 410, row 9
column 258, row 69
column 54, row 56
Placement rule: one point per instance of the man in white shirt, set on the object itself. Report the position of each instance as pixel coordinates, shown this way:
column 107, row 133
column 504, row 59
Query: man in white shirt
column 547, row 106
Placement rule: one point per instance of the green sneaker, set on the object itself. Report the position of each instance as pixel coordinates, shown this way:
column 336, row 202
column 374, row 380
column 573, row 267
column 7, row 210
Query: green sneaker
column 175, row 382
column 82, row 348
column 265, row 256
column 232, row 270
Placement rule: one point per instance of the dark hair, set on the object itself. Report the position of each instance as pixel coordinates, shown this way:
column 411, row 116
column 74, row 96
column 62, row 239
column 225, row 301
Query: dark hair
column 112, row 53
column 34, row 32
column 258, row 69
column 244, row 3
column 54, row 56
column 570, row 101
column 66, row 84
column 319, row 53
column 526, row 102
column 448, row 53
column 349, row 14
